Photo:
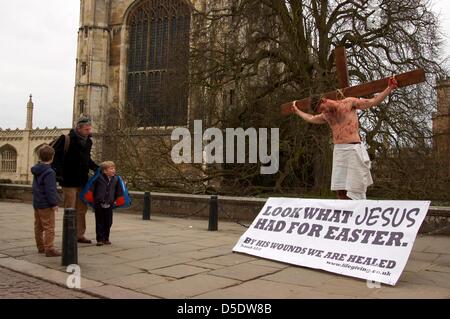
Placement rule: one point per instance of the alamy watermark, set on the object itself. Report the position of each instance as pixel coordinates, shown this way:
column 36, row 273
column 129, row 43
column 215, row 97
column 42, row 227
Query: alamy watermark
column 74, row 280
column 209, row 146
column 372, row 284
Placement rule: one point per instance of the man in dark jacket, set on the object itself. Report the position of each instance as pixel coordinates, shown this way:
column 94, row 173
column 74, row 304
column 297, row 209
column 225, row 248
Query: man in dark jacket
column 72, row 164
column 45, row 202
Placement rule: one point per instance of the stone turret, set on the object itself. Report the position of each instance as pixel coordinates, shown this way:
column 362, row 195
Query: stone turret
column 30, row 105
column 441, row 125
column 91, row 83
column 92, row 68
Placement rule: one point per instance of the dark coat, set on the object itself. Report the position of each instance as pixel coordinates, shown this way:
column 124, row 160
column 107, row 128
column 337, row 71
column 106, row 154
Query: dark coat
column 106, row 190
column 45, row 194
column 72, row 168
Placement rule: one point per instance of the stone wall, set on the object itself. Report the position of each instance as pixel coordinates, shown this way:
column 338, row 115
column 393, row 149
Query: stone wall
column 238, row 209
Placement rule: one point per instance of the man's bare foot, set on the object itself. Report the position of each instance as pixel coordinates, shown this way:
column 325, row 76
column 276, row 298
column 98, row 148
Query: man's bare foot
column 342, row 194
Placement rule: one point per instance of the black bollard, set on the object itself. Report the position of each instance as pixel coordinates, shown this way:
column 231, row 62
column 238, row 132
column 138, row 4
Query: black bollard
column 213, row 213
column 147, row 206
column 69, row 243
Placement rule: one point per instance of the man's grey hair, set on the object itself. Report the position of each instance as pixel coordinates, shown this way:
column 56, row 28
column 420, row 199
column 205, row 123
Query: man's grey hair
column 84, row 120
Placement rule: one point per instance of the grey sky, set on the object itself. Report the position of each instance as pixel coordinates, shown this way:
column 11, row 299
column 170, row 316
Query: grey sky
column 39, row 40
column 442, row 9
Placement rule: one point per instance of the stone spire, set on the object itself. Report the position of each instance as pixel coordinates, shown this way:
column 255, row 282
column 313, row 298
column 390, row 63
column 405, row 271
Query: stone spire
column 30, row 105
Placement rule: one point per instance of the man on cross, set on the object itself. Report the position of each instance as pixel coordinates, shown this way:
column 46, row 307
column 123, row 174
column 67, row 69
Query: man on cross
column 351, row 164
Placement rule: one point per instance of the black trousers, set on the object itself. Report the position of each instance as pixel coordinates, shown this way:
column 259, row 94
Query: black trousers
column 103, row 223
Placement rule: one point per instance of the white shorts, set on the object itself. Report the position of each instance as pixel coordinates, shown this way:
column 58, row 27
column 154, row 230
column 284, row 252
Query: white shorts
column 351, row 170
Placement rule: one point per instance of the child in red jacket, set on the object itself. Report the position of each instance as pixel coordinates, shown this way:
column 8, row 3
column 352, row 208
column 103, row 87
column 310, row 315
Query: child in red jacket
column 106, row 189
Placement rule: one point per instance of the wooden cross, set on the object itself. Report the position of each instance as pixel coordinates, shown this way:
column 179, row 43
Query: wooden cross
column 404, row 79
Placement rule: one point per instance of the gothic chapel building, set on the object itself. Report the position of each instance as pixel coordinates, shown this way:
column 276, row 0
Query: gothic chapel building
column 133, row 59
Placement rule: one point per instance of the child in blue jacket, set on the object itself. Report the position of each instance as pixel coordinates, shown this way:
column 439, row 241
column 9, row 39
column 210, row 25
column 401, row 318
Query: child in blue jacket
column 45, row 202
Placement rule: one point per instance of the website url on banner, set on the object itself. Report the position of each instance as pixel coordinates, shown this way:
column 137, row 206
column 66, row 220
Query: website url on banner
column 352, row 267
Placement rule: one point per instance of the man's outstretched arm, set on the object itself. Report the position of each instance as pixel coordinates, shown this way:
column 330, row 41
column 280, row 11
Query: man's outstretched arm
column 314, row 119
column 363, row 104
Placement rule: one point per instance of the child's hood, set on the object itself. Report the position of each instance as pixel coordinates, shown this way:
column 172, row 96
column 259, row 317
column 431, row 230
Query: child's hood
column 39, row 169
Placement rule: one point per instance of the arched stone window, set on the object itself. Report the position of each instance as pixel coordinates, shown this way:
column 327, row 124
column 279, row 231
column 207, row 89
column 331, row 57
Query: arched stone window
column 8, row 159
column 157, row 89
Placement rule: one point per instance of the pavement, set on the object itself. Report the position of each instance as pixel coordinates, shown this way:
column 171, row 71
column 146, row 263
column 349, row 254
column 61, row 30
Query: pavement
column 175, row 258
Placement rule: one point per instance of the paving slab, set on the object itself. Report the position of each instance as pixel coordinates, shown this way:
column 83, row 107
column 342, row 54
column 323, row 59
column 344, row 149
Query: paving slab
column 101, row 259
column 159, row 262
column 244, row 272
column 103, row 272
column 349, row 286
column 411, row 292
column 301, row 276
column 427, row 278
column 439, row 268
column 137, row 281
column 421, row 256
column 204, row 265
column 443, row 260
column 114, row 292
column 264, row 289
column 269, row 263
column 229, row 260
column 438, row 244
column 206, row 253
column 417, row 265
column 190, row 286
column 178, row 271
column 133, row 254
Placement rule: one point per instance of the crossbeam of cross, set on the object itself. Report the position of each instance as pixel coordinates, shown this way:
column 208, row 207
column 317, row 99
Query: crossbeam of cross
column 344, row 90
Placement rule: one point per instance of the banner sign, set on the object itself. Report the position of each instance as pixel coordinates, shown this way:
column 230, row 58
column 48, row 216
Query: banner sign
column 360, row 238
